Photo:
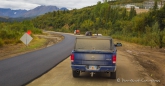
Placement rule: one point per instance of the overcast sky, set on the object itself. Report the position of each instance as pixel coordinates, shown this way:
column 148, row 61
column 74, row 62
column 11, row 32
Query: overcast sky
column 30, row 4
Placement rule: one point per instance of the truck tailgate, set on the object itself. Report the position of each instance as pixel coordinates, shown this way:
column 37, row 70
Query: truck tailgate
column 93, row 58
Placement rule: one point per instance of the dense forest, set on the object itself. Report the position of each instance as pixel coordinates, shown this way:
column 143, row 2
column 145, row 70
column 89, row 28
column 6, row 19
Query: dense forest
column 106, row 18
column 109, row 19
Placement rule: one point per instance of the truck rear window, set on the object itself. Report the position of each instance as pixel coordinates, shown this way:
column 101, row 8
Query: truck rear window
column 93, row 44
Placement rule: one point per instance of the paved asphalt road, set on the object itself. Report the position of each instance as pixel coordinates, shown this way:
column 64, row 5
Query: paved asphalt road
column 24, row 68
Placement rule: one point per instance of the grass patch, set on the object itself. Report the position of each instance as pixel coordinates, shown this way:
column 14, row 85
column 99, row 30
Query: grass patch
column 34, row 44
column 1, row 42
column 11, row 50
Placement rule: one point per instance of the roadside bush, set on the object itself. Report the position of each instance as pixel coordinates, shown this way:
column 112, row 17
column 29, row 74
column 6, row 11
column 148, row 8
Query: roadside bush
column 164, row 38
column 1, row 42
column 36, row 31
column 9, row 41
column 10, row 33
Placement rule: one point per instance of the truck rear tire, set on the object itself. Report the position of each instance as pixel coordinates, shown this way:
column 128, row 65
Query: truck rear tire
column 75, row 73
column 113, row 75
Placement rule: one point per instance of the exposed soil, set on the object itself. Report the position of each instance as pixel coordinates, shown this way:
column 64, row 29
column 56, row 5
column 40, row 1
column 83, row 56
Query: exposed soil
column 141, row 10
column 152, row 59
column 11, row 50
column 138, row 11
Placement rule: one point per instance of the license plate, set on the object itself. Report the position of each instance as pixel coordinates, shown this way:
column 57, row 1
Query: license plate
column 92, row 68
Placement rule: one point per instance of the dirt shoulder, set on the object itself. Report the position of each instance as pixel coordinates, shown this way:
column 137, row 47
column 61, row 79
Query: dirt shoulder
column 151, row 59
column 39, row 42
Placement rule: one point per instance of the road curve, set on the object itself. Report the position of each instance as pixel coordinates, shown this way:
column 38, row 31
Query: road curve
column 24, row 68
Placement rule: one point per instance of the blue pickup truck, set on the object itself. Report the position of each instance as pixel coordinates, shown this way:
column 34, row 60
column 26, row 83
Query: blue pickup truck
column 94, row 54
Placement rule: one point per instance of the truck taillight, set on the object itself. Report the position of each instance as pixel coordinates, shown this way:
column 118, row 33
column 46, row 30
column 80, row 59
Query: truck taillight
column 72, row 57
column 114, row 59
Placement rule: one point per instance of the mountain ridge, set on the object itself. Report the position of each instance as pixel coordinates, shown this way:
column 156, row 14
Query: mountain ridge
column 40, row 10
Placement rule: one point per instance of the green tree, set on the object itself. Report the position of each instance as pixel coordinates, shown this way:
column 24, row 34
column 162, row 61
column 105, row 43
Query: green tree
column 132, row 12
column 124, row 14
column 155, row 5
column 97, row 9
column 160, row 16
column 87, row 25
column 157, row 35
column 54, row 13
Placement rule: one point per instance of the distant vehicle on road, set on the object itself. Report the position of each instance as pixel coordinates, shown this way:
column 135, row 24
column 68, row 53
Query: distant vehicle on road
column 97, row 34
column 94, row 54
column 76, row 32
column 88, row 33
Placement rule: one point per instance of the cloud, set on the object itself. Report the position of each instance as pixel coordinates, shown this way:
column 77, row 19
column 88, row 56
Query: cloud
column 17, row 5
column 30, row 4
